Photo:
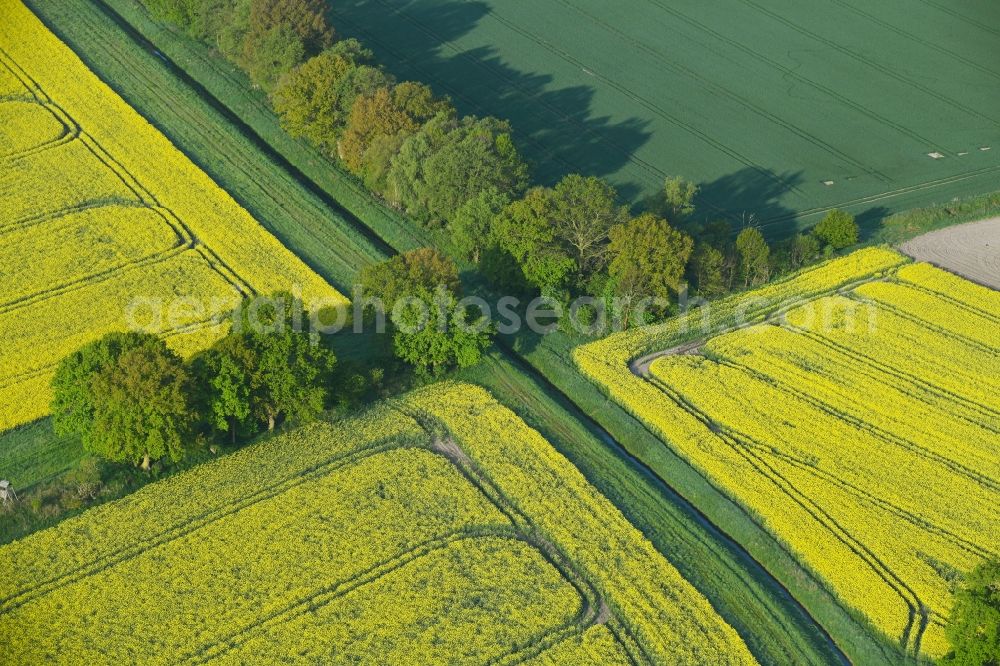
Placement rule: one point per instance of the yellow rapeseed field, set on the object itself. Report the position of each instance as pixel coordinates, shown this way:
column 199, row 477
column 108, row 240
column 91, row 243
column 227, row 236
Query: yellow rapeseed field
column 859, row 425
column 435, row 527
column 97, row 209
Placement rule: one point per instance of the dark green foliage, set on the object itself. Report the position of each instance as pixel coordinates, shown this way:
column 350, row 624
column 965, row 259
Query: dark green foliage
column 435, row 332
column 559, row 235
column 837, row 229
column 708, row 270
column 525, row 231
column 450, row 161
column 470, row 227
column 286, row 372
column 127, row 396
column 647, row 259
column 754, row 256
column 974, row 627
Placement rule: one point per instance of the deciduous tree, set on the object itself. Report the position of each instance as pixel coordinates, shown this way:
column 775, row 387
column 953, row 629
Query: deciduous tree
column 314, row 99
column 451, row 161
column 755, row 256
column 387, row 112
column 648, row 258
column 584, row 209
column 420, row 270
column 288, row 370
column 838, row 229
column 974, row 625
column 128, row 397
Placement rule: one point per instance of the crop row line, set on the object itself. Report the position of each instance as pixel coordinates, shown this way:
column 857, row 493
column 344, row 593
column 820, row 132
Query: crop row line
column 183, row 242
column 333, row 591
column 900, row 374
column 522, row 522
column 951, row 300
column 865, row 426
column 191, row 524
column 817, row 513
column 70, row 131
column 652, row 106
column 749, row 104
column 869, row 62
column 927, row 43
column 247, row 169
column 793, row 74
column 957, row 337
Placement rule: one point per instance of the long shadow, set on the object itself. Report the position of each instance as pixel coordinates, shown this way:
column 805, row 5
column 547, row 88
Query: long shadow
column 555, row 127
column 750, row 197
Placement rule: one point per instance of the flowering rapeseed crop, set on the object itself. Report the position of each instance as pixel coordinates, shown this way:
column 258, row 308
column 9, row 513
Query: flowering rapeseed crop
column 97, row 208
column 859, row 426
column 432, row 528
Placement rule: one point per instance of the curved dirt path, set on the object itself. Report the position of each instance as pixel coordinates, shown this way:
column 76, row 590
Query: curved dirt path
column 640, row 366
column 971, row 250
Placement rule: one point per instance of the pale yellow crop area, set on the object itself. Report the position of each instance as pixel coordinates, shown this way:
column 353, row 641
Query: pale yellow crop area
column 860, row 425
column 105, row 224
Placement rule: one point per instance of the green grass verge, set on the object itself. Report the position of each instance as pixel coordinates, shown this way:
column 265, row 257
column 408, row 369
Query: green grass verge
column 774, row 627
column 550, row 356
column 32, row 454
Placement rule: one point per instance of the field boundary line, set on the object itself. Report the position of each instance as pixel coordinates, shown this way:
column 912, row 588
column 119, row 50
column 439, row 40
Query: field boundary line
column 813, row 510
column 194, row 523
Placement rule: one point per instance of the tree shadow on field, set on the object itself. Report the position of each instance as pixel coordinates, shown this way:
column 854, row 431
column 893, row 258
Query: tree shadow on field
column 871, row 222
column 554, row 127
column 750, row 197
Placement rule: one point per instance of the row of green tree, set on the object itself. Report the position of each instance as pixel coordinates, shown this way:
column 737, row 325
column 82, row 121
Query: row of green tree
column 466, row 174
column 131, row 398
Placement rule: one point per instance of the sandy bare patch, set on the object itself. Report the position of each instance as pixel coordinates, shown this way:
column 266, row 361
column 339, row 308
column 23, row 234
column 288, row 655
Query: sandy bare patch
column 971, row 250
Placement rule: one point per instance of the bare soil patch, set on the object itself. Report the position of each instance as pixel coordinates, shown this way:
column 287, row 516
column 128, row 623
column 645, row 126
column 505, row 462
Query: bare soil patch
column 971, row 250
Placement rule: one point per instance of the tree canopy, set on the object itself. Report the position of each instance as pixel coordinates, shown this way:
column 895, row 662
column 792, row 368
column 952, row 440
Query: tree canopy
column 128, row 397
column 838, row 229
column 423, row 269
column 315, row 98
column 449, row 162
column 755, row 255
column 648, row 258
column 974, row 626
column 289, row 372
column 386, row 113
column 436, row 332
